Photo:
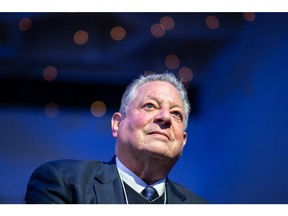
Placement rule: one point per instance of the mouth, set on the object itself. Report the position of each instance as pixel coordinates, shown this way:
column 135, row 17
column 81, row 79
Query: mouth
column 160, row 133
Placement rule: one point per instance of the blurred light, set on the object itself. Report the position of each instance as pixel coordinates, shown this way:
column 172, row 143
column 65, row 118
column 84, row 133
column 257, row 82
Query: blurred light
column 172, row 62
column 50, row 73
column 212, row 22
column 249, row 16
column 157, row 30
column 52, row 110
column 25, row 24
column 146, row 73
column 167, row 22
column 98, row 108
column 118, row 33
column 185, row 74
column 81, row 37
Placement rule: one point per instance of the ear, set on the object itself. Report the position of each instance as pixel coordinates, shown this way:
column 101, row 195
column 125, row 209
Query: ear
column 115, row 122
column 184, row 139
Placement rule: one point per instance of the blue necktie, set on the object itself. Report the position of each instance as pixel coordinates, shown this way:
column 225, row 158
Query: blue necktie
column 150, row 193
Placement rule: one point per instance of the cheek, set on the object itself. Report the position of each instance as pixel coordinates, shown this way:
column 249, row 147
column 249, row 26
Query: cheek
column 138, row 120
column 133, row 125
column 179, row 134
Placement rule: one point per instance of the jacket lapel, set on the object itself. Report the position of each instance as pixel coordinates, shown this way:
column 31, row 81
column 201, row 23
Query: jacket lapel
column 174, row 196
column 107, row 184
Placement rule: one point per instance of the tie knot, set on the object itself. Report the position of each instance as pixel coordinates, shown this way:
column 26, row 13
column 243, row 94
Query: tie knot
column 150, row 193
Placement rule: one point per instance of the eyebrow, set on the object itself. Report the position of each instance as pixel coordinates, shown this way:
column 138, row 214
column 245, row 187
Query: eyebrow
column 159, row 100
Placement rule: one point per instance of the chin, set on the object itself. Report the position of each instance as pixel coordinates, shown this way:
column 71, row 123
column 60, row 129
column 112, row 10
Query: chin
column 160, row 154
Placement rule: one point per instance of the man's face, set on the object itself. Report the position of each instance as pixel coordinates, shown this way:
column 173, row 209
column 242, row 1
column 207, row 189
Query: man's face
column 154, row 123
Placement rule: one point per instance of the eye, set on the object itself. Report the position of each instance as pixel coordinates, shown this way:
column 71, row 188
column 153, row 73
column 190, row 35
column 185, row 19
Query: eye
column 149, row 106
column 177, row 114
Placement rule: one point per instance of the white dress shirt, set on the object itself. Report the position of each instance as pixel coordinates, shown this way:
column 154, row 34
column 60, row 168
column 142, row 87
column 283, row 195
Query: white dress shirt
column 135, row 182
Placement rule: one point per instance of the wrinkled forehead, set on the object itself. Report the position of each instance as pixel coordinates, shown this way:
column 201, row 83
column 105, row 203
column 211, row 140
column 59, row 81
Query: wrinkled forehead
column 158, row 89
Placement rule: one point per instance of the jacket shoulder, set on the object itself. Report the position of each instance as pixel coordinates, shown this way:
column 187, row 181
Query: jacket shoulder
column 64, row 181
column 68, row 166
column 71, row 163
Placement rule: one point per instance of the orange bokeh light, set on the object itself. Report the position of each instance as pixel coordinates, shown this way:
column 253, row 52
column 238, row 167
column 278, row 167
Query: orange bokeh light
column 157, row 30
column 118, row 33
column 167, row 22
column 172, row 62
column 25, row 24
column 212, row 22
column 50, row 73
column 81, row 37
column 185, row 74
column 98, row 108
column 249, row 16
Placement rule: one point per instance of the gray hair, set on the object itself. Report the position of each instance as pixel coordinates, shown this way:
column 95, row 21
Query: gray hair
column 130, row 91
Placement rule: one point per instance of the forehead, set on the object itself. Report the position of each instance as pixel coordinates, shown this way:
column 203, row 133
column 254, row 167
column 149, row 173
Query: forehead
column 158, row 89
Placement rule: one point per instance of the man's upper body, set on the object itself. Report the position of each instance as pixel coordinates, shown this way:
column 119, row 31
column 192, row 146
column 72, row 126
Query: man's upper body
column 91, row 182
column 150, row 134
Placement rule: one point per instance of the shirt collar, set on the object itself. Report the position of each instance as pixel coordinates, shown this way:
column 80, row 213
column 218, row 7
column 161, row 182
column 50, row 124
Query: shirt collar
column 135, row 182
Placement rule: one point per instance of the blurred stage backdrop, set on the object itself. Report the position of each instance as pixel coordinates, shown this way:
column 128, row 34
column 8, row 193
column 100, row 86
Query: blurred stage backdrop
column 62, row 76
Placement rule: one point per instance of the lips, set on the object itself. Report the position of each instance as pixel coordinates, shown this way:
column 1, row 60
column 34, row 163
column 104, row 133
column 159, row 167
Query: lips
column 160, row 133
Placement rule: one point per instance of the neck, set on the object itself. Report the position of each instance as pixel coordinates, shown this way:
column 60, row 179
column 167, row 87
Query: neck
column 149, row 170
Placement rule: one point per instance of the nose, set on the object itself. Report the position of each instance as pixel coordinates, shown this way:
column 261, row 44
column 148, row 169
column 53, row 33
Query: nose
column 163, row 117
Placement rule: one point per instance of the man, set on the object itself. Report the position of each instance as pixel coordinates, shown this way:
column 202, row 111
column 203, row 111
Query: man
column 150, row 136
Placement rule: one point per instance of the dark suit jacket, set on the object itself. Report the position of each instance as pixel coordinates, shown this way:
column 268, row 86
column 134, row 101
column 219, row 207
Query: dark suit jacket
column 89, row 182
